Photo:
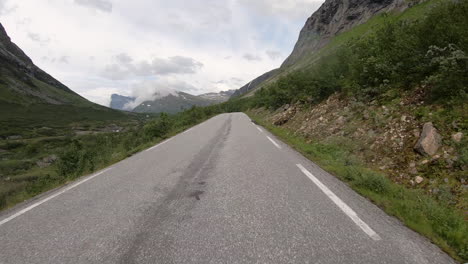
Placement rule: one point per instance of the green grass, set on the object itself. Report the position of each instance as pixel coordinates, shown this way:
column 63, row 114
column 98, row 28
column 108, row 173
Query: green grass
column 440, row 223
column 21, row 178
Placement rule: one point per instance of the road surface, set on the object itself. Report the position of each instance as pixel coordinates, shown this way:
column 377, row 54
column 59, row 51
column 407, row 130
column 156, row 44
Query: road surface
column 225, row 191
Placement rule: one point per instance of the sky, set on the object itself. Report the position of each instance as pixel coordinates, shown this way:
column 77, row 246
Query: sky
column 142, row 47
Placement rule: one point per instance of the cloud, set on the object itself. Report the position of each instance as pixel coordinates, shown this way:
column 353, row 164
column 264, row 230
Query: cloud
column 233, row 81
column 102, row 5
column 211, row 35
column 154, row 89
column 251, row 57
column 5, row 9
column 273, row 54
column 125, row 67
column 64, row 59
column 2, row 6
column 38, row 38
column 290, row 9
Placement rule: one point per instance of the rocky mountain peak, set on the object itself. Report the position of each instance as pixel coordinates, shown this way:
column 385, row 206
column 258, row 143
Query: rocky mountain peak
column 337, row 16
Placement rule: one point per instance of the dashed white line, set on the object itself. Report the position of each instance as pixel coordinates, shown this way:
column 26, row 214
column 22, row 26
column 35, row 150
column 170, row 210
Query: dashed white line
column 344, row 207
column 259, row 129
column 8, row 219
column 274, row 143
column 160, row 144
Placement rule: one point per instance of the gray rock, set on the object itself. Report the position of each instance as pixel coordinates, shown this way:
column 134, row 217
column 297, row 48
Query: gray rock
column 457, row 137
column 14, row 137
column 47, row 161
column 429, row 141
column 418, row 179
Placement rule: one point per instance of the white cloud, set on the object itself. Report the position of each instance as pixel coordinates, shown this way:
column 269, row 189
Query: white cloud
column 273, row 54
column 101, row 5
column 251, row 57
column 196, row 42
column 291, row 9
column 125, row 67
column 6, row 8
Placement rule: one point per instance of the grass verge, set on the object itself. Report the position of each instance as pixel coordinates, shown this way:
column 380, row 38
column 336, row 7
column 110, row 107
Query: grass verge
column 21, row 179
column 444, row 226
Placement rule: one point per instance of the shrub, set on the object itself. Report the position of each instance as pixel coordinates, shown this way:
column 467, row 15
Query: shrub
column 159, row 127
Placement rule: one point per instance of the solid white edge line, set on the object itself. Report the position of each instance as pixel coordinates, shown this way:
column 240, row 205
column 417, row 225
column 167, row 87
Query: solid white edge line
column 8, row 219
column 274, row 143
column 160, row 144
column 344, row 207
column 259, row 129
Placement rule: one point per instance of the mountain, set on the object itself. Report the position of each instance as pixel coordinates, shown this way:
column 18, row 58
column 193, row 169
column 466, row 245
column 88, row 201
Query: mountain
column 172, row 103
column 330, row 20
column 256, row 82
column 30, row 97
column 335, row 17
column 119, row 101
column 21, row 77
column 220, row 97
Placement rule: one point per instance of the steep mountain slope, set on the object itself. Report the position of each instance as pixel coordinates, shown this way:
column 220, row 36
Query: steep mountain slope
column 330, row 20
column 335, row 17
column 29, row 96
column 255, row 83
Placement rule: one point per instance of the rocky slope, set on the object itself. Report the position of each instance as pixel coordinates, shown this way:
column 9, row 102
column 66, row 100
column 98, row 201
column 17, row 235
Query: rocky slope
column 413, row 144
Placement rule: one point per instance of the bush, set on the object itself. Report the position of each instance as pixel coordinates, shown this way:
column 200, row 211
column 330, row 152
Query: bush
column 159, row 127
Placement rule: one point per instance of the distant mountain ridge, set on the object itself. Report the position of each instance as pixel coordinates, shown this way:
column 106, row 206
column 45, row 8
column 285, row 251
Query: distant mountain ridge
column 172, row 103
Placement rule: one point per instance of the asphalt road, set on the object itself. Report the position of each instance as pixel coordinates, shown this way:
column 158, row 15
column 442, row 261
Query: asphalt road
column 225, row 191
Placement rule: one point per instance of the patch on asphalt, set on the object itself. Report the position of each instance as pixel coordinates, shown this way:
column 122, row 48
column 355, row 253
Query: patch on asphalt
column 196, row 194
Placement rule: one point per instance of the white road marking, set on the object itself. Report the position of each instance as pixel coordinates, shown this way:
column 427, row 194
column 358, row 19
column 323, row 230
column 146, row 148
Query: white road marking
column 274, row 143
column 8, row 219
column 162, row 143
column 259, row 129
column 186, row 131
column 344, row 207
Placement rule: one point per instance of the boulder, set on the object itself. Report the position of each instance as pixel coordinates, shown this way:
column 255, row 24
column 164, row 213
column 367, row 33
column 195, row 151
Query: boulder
column 457, row 137
column 418, row 179
column 47, row 161
column 429, row 141
column 14, row 137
